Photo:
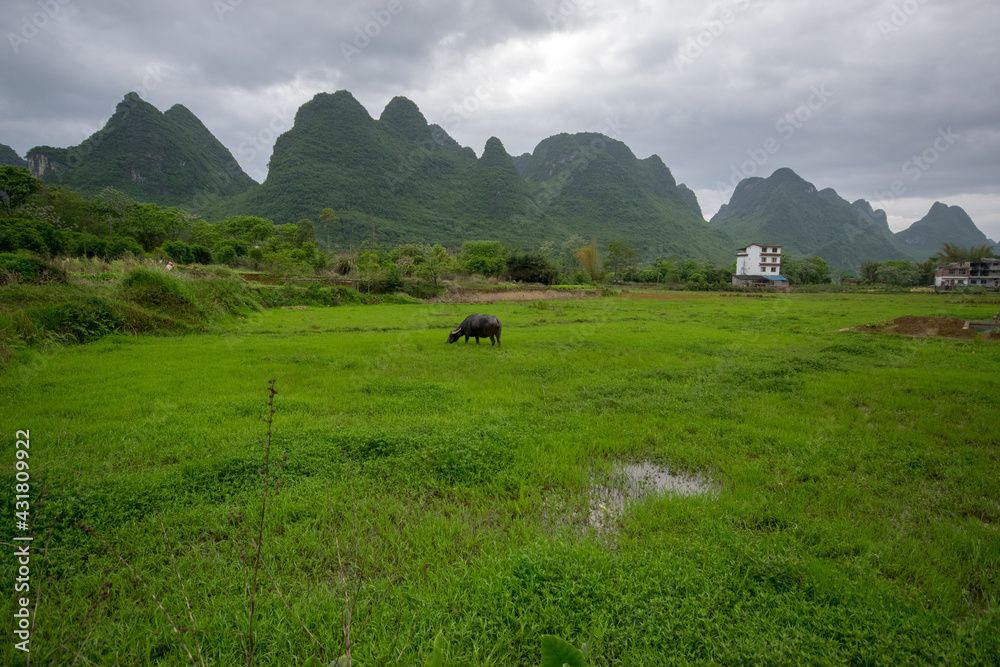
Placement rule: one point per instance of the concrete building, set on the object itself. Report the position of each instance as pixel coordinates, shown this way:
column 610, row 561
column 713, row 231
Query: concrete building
column 759, row 265
column 984, row 273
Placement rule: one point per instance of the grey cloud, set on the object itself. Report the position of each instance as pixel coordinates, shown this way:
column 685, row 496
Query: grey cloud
column 896, row 78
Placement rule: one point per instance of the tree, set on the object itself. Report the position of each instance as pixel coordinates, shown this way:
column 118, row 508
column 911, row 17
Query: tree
column 622, row 260
column 533, row 267
column 288, row 233
column 436, row 262
column 329, row 217
column 487, row 258
column 204, row 233
column 814, row 270
column 116, row 206
column 16, row 184
column 247, row 227
column 590, row 259
column 151, row 225
column 305, row 232
column 950, row 253
column 368, row 267
column 869, row 272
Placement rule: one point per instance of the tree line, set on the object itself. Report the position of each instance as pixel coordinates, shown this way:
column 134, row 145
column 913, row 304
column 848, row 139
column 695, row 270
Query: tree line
column 51, row 220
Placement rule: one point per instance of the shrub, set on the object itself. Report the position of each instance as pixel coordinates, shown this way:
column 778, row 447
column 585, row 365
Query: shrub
column 152, row 288
column 178, row 251
column 18, row 234
column 487, row 258
column 29, row 267
column 83, row 321
column 124, row 246
column 531, row 267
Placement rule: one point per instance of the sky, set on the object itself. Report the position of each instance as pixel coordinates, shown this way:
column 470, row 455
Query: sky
column 896, row 102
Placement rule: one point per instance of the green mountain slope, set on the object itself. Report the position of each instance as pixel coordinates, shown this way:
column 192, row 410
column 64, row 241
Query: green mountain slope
column 787, row 210
column 9, row 156
column 398, row 179
column 168, row 158
column 942, row 224
column 596, row 187
column 874, row 218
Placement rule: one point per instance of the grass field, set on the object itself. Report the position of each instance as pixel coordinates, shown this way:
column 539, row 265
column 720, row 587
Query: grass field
column 855, row 518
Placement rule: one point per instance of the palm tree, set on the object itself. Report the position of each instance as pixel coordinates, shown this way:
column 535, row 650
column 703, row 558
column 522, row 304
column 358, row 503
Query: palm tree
column 950, row 253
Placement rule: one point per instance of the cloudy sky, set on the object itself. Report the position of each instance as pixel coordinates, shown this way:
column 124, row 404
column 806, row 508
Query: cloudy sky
column 894, row 101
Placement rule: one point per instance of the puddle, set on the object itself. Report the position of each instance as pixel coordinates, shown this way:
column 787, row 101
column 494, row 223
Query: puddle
column 638, row 481
column 984, row 327
column 626, row 486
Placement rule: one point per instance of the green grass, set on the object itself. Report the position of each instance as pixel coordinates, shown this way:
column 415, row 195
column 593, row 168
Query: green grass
column 856, row 521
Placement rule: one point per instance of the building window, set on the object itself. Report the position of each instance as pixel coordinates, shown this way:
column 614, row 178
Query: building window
column 951, row 272
column 774, row 269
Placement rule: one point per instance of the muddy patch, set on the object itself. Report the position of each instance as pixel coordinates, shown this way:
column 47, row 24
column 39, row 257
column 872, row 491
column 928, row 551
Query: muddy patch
column 934, row 327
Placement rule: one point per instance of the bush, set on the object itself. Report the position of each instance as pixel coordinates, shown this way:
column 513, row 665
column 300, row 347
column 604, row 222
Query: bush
column 82, row 322
column 388, row 280
column 89, row 245
column 178, row 251
column 124, row 246
column 423, row 290
column 531, row 267
column 486, row 258
column 21, row 235
column 152, row 288
column 29, row 267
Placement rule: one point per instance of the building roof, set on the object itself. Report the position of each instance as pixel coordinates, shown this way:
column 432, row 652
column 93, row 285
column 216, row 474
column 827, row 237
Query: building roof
column 761, row 277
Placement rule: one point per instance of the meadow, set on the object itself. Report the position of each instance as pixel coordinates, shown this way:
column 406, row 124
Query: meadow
column 419, row 487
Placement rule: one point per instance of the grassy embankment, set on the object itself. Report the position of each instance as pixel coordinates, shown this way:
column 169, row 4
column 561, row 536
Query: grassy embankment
column 855, row 522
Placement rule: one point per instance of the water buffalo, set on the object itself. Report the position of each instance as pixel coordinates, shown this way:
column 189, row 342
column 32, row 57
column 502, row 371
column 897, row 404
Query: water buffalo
column 477, row 326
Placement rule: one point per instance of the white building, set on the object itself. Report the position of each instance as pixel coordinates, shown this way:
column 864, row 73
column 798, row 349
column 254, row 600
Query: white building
column 759, row 264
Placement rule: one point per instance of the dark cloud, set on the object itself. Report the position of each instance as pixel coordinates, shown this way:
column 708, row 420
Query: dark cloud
column 851, row 95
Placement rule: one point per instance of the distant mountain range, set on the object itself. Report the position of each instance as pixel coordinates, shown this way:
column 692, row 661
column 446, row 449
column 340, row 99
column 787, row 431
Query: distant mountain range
column 169, row 158
column 786, row 209
column 400, row 179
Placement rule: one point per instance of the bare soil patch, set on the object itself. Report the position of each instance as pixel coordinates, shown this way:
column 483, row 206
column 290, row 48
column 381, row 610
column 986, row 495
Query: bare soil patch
column 461, row 295
column 662, row 297
column 935, row 327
